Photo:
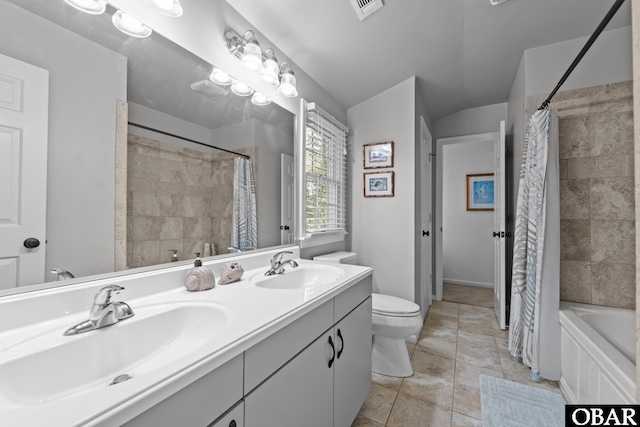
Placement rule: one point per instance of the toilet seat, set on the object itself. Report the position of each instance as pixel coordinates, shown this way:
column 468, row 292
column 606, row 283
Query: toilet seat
column 387, row 305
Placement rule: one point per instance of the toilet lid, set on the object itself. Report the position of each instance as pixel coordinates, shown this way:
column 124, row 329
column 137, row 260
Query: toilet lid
column 387, row 305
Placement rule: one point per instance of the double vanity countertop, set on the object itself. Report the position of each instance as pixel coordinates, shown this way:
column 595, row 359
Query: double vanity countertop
column 175, row 337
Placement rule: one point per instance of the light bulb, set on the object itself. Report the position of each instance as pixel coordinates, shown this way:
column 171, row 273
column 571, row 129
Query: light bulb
column 288, row 85
column 93, row 7
column 241, row 88
column 270, row 69
column 260, row 99
column 130, row 25
column 220, row 77
column 251, row 54
column 171, row 8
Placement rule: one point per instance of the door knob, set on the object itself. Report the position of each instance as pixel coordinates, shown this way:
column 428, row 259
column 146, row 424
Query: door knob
column 284, row 227
column 31, row 243
column 425, row 233
column 496, row 234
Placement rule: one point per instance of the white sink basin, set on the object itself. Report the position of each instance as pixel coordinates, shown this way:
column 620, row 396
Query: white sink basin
column 50, row 366
column 302, row 277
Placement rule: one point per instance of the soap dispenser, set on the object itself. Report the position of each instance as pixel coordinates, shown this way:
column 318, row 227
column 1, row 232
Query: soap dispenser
column 199, row 278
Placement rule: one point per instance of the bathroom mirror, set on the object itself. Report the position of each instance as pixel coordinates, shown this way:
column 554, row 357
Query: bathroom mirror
column 178, row 194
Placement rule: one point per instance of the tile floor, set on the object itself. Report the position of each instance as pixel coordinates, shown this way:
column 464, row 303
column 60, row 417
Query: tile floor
column 473, row 295
column 458, row 342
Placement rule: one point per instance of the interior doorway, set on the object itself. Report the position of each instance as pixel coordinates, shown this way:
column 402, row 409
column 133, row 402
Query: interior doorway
column 466, row 257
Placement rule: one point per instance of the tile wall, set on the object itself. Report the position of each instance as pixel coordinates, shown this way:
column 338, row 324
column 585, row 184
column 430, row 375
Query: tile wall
column 178, row 198
column 597, row 203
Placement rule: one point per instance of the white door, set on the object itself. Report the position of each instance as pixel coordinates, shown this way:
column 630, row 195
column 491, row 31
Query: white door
column 24, row 103
column 500, row 228
column 426, row 220
column 286, row 199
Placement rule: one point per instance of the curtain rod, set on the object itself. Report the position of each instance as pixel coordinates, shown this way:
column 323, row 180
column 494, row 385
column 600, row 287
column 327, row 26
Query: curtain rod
column 187, row 139
column 584, row 50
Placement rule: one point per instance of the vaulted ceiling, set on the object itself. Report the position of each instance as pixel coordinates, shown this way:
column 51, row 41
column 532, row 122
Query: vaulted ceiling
column 465, row 53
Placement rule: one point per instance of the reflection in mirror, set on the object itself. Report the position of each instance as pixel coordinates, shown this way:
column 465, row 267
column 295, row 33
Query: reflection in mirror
column 119, row 196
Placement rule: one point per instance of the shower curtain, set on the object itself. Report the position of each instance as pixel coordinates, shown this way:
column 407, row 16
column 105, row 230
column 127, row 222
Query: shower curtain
column 244, row 226
column 534, row 332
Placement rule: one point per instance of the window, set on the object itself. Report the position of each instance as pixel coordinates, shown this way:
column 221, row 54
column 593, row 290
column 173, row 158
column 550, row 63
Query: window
column 323, row 161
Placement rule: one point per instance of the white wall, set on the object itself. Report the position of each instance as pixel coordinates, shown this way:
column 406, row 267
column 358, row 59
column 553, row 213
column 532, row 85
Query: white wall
column 86, row 79
column 515, row 132
column 467, row 248
column 382, row 228
column 471, row 121
column 608, row 61
column 149, row 117
column 270, row 143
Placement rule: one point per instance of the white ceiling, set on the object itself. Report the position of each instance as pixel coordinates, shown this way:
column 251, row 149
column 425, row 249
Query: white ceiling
column 465, row 53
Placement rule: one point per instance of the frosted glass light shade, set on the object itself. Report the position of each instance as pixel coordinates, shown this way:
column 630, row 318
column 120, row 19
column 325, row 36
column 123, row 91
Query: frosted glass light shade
column 130, row 25
column 260, row 99
column 251, row 54
column 269, row 72
column 220, row 77
column 94, row 7
column 252, row 57
column 171, row 8
column 241, row 88
column 288, row 85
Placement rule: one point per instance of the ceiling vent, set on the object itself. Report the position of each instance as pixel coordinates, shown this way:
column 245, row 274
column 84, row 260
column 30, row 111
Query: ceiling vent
column 364, row 8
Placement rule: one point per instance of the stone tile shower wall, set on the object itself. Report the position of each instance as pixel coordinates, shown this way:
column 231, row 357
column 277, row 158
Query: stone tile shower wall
column 178, row 198
column 597, row 204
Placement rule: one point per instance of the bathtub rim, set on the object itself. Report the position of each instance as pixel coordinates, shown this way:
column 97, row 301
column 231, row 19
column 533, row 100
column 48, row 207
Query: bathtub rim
column 621, row 371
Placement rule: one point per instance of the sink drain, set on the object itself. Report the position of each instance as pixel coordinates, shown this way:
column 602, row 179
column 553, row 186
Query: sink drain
column 120, row 379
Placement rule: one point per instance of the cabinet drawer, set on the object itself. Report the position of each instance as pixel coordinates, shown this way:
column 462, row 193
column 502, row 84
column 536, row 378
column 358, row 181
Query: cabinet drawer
column 351, row 298
column 202, row 401
column 269, row 355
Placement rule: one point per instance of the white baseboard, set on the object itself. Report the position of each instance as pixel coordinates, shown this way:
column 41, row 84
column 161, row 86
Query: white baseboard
column 468, row 283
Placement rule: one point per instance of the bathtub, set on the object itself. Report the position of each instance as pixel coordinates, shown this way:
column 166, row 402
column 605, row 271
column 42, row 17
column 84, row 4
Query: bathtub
column 598, row 351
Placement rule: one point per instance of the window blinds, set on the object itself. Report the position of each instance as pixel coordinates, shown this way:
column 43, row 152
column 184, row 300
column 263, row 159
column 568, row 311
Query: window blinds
column 325, row 160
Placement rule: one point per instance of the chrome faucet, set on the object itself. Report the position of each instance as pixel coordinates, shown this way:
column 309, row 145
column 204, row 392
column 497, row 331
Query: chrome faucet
column 103, row 312
column 277, row 264
column 62, row 274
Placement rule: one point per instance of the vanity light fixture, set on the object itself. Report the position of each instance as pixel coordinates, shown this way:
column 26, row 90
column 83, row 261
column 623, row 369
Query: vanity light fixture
column 130, row 25
column 247, row 50
column 220, row 77
column 171, row 8
column 93, row 7
column 270, row 71
column 241, row 88
column 287, row 81
column 260, row 99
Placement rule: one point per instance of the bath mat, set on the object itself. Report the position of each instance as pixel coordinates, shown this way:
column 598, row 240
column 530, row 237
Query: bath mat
column 509, row 404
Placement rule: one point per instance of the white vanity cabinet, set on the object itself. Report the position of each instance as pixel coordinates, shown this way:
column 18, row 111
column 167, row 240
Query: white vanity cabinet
column 326, row 383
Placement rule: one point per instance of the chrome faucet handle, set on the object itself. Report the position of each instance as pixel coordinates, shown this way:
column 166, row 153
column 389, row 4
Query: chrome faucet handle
column 103, row 297
column 277, row 258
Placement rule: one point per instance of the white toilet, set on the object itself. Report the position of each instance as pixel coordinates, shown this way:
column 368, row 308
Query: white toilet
column 394, row 319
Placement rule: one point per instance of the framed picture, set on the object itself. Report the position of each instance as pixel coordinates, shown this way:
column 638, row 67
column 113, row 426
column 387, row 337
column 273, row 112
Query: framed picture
column 378, row 155
column 378, row 184
column 480, row 192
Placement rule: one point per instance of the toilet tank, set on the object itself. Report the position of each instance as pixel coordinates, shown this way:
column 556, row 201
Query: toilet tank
column 339, row 257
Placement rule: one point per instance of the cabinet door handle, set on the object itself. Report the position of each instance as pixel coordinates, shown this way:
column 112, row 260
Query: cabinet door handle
column 333, row 349
column 341, row 343
column 232, row 423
